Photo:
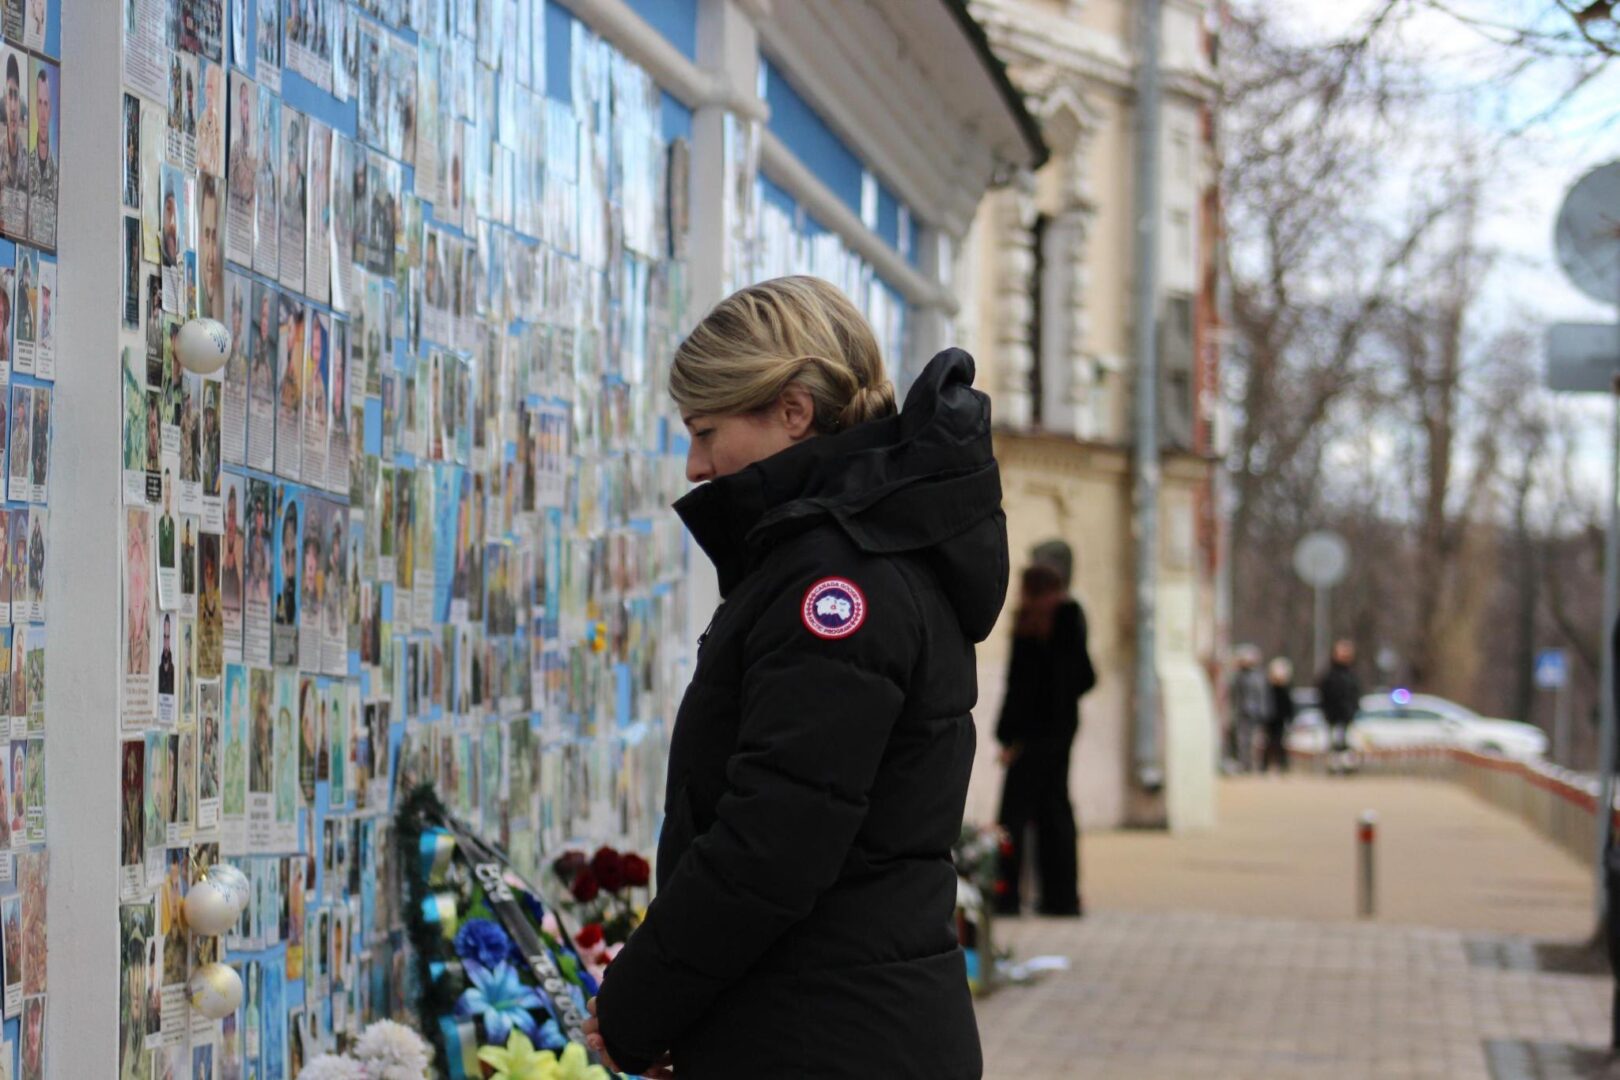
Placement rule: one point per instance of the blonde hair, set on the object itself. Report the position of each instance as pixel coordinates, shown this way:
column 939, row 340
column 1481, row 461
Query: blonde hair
column 784, row 332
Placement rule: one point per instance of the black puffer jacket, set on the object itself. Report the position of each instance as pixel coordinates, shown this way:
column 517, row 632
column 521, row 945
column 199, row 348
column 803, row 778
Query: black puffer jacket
column 820, row 760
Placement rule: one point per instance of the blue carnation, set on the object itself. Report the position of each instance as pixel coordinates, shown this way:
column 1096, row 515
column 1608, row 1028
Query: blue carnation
column 482, row 941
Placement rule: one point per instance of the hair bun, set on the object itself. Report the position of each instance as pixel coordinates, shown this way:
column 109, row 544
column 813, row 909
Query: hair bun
column 869, row 403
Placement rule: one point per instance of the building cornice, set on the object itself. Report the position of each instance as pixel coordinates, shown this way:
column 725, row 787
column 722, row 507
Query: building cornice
column 1027, row 36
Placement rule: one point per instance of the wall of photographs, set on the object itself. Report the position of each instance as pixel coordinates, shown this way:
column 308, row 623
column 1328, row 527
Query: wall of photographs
column 30, row 126
column 416, row 527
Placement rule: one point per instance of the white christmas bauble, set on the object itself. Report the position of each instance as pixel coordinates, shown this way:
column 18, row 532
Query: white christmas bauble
column 215, row 990
column 203, row 346
column 216, row 900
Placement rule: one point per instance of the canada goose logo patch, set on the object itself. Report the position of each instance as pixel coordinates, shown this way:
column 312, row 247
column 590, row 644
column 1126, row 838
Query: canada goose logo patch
column 834, row 608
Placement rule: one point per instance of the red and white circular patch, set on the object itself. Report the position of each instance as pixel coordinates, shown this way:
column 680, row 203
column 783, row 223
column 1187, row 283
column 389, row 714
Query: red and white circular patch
column 834, row 608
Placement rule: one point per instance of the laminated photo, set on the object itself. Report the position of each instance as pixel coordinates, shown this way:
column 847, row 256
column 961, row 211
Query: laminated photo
column 19, row 450
column 294, row 197
column 40, row 469
column 342, row 237
column 168, row 548
column 317, row 404
column 189, row 498
column 267, row 33
column 174, row 236
column 188, row 567
column 290, row 359
column 210, row 136
column 288, row 541
column 209, row 453
column 33, row 1033
column 242, row 170
column 167, row 701
column 134, row 472
column 284, row 834
column 233, row 565
column 311, row 583
column 45, row 353
column 132, row 825
column 25, row 304
column 22, row 600
column 318, row 227
column 145, row 48
column 337, row 447
column 240, row 56
column 234, row 768
column 209, row 759
column 308, row 41
column 257, row 602
column 11, row 934
column 210, row 249
column 267, row 183
column 210, row 619
column 180, row 141
column 132, row 152
column 334, row 573
column 202, row 27
column 310, row 705
column 19, row 796
column 261, row 764
column 14, row 145
column 135, row 931
column 262, row 360
column 233, row 413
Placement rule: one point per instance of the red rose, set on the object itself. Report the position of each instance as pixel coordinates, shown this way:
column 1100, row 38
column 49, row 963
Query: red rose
column 589, row 935
column 636, row 870
column 584, row 886
column 608, row 866
column 568, row 864
column 1001, row 888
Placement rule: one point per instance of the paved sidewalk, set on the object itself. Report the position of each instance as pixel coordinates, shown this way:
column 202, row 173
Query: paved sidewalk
column 1189, row 995
column 1236, row 953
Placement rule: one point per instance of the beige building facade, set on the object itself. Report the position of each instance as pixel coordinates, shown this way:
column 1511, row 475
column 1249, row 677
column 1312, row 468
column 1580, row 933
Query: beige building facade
column 1046, row 278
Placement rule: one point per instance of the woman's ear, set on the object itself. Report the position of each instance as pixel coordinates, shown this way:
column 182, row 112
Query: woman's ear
column 798, row 412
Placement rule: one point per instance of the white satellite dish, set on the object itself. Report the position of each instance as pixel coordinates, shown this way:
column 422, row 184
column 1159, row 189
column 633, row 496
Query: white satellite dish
column 1587, row 236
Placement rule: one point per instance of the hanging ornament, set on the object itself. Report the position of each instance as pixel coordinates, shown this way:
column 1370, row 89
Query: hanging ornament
column 203, row 346
column 216, row 900
column 215, row 990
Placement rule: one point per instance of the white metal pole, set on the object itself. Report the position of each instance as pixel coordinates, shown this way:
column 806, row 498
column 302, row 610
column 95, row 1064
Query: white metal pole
column 1606, row 732
column 1321, row 628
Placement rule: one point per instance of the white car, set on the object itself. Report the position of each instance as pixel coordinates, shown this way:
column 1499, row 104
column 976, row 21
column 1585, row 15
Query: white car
column 1401, row 718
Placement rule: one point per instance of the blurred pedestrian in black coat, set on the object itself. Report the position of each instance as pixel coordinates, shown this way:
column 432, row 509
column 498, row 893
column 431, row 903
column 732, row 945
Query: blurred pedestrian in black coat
column 1047, row 674
column 1339, row 694
column 1279, row 714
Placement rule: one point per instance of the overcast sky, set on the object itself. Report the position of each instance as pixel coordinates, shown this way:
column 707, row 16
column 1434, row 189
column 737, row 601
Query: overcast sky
column 1518, row 222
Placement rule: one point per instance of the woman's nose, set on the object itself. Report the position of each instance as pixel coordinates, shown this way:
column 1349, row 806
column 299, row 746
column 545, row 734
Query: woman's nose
column 697, row 466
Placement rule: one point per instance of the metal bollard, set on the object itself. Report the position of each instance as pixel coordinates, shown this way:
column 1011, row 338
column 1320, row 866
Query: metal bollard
column 1366, row 834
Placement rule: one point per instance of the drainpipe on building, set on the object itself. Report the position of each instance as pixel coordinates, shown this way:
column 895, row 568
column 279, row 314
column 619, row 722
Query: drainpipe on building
column 1147, row 753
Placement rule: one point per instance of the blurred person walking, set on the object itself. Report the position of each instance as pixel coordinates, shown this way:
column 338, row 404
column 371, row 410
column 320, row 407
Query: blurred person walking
column 1047, row 674
column 1279, row 714
column 1339, row 693
column 1248, row 703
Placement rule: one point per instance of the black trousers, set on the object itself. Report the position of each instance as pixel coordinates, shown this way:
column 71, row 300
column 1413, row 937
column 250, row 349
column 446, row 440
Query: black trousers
column 1036, row 792
column 1276, row 751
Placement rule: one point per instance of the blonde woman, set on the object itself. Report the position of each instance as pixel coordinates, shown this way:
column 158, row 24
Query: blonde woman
column 820, row 758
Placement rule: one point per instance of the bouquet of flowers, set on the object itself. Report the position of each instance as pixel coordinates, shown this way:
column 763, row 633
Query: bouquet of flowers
column 503, row 989
column 604, row 889
column 385, row 1051
column 977, row 856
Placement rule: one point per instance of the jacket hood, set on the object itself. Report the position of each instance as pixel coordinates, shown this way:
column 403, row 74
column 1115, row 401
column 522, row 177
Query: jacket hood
column 924, row 481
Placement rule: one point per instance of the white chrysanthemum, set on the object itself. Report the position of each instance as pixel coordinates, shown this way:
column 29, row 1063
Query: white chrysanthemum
column 393, row 1051
column 333, row 1067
